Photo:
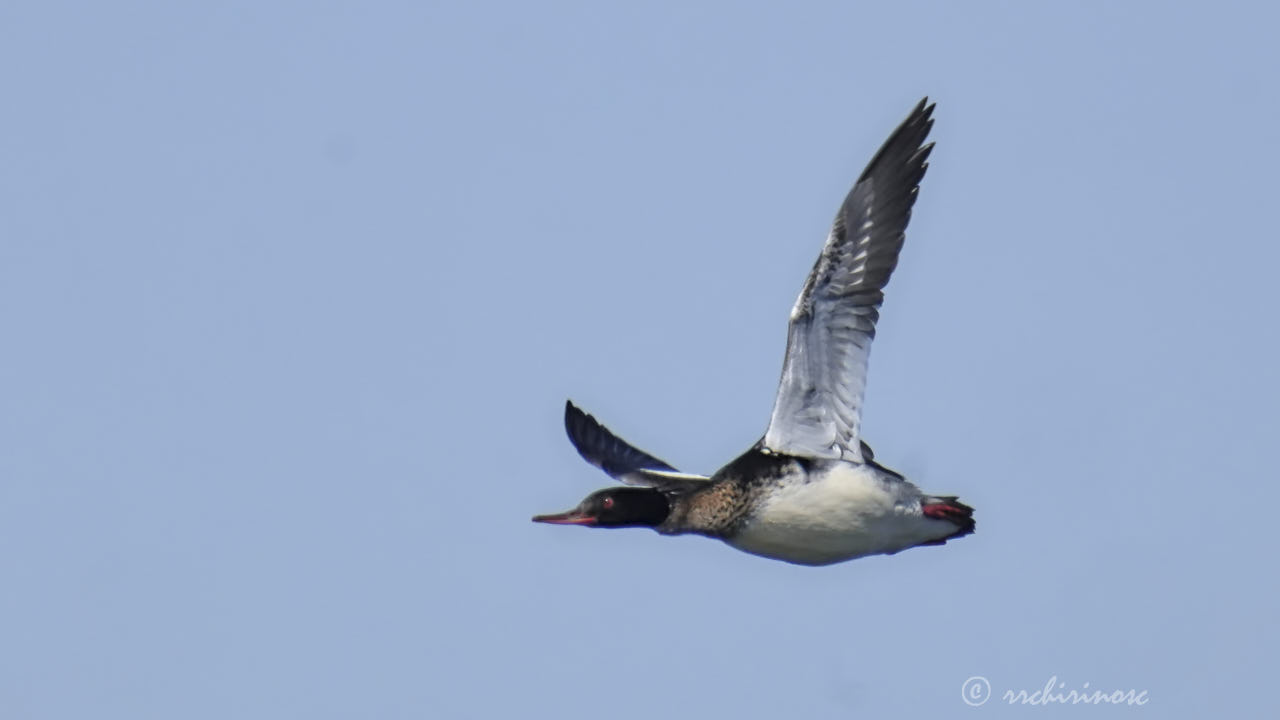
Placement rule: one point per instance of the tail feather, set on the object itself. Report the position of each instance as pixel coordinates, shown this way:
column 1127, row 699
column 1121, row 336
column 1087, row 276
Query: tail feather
column 950, row 509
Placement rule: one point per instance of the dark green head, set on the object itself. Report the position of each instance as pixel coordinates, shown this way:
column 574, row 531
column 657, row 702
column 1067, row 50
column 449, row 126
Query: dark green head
column 615, row 507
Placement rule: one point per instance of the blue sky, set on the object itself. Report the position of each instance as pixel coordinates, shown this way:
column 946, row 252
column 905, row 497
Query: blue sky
column 292, row 295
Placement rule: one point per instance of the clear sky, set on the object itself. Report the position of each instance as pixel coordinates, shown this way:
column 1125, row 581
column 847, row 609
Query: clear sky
column 292, row 295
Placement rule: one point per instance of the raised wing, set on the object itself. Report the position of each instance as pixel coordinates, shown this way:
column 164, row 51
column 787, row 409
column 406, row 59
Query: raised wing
column 819, row 404
column 621, row 460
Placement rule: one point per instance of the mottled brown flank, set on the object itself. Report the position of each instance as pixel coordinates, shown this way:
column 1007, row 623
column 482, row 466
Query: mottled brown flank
column 719, row 509
column 713, row 511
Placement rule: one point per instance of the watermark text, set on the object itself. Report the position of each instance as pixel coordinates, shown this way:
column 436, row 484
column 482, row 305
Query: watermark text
column 977, row 691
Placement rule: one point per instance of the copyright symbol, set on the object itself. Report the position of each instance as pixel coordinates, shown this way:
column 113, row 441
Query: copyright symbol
column 975, row 691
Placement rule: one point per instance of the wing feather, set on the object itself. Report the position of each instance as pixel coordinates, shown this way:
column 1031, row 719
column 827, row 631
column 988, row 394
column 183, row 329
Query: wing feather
column 618, row 458
column 817, row 412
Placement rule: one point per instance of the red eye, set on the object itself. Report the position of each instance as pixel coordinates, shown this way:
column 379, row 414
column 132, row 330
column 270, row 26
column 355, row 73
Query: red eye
column 608, row 503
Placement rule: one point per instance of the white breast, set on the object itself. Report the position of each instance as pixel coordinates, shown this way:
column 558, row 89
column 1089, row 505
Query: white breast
column 842, row 512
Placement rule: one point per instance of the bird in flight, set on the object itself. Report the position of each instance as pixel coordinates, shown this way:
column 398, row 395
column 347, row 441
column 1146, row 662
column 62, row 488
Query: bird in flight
column 810, row 491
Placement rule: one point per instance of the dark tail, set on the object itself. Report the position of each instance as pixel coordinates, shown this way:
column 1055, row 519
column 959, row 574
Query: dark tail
column 949, row 508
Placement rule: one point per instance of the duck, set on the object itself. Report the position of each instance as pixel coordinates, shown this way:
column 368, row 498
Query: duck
column 809, row 491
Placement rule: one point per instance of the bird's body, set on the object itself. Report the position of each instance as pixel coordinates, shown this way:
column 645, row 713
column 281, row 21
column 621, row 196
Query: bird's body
column 809, row 492
column 831, row 511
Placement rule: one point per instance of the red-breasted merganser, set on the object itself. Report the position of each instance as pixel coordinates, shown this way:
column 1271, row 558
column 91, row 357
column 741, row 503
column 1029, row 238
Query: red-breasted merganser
column 809, row 492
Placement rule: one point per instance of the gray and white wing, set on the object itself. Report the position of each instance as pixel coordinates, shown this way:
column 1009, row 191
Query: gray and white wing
column 618, row 458
column 819, row 404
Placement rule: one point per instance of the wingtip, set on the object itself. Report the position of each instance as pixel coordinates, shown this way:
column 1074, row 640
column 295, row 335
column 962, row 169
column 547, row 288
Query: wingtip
column 922, row 114
column 573, row 411
column 579, row 426
column 908, row 139
column 573, row 416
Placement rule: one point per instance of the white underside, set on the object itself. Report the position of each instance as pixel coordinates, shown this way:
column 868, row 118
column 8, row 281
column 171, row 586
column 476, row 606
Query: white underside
column 843, row 513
